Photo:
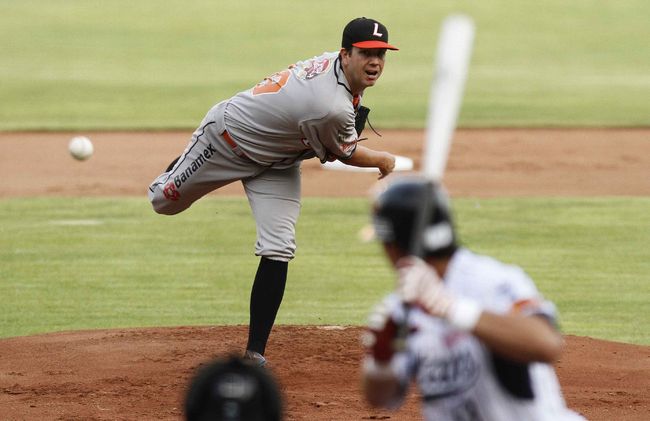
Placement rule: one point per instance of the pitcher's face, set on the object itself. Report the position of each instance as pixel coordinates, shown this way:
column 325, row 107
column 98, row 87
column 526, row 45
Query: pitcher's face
column 362, row 67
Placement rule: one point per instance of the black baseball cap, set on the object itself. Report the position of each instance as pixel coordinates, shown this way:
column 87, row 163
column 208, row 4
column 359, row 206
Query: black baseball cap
column 366, row 33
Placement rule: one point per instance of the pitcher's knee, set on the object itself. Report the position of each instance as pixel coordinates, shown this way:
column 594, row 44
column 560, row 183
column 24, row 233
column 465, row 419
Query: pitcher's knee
column 163, row 204
column 165, row 208
column 283, row 252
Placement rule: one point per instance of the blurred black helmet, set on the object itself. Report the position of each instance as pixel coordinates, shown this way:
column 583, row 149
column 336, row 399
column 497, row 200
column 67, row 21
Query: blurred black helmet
column 233, row 389
column 400, row 205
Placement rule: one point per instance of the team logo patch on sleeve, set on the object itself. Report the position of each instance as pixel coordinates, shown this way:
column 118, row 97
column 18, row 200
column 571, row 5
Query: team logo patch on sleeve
column 312, row 68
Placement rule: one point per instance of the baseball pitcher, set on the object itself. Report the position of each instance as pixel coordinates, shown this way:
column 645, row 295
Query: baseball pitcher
column 480, row 339
column 261, row 136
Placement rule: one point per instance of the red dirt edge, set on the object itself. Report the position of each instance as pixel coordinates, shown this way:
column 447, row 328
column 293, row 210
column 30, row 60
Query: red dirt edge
column 142, row 374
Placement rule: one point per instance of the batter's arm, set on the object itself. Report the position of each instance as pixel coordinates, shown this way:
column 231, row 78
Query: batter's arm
column 525, row 334
column 366, row 157
column 520, row 338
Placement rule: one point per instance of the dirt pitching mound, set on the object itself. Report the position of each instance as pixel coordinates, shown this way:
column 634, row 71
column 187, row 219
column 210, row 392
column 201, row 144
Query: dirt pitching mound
column 142, row 374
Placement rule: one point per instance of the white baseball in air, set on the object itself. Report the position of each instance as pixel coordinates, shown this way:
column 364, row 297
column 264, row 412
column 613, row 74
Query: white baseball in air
column 80, row 148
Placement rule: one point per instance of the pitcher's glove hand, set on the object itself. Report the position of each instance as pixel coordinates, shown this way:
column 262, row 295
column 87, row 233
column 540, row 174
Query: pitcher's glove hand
column 360, row 118
column 420, row 285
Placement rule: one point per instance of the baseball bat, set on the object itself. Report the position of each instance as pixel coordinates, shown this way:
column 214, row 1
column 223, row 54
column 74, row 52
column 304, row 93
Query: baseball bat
column 450, row 72
column 452, row 61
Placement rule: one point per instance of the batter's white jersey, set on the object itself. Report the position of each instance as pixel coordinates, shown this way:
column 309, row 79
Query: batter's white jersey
column 459, row 379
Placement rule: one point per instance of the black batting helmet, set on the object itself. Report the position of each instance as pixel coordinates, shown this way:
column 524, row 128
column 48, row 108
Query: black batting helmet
column 233, row 389
column 398, row 210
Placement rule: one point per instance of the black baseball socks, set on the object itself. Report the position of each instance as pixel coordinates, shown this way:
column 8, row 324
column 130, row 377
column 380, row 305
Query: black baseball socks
column 266, row 297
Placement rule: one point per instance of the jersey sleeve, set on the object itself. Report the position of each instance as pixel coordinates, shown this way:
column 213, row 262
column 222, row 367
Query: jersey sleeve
column 332, row 136
column 516, row 293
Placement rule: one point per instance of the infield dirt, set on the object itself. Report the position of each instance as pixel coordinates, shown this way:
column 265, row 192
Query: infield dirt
column 141, row 374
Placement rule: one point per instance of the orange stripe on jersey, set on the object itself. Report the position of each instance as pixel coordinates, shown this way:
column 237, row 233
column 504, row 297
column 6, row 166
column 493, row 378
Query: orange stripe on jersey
column 355, row 101
column 273, row 83
column 520, row 306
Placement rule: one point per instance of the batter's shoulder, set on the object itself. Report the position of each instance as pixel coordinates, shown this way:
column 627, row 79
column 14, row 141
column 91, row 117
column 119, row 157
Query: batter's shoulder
column 480, row 274
column 487, row 264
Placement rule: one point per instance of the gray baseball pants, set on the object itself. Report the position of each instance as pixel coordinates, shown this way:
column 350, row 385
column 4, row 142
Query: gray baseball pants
column 211, row 161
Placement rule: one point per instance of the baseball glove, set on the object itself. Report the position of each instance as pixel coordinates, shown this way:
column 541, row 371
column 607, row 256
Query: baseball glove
column 360, row 118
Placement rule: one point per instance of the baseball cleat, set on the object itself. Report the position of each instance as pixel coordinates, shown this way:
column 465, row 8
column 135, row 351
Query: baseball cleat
column 255, row 357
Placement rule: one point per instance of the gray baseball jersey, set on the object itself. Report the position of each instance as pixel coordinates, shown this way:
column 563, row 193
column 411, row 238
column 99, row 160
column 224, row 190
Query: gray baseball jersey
column 260, row 136
column 457, row 376
column 304, row 111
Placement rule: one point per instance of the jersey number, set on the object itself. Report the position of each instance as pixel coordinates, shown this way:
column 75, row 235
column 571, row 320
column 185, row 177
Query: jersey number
column 273, row 83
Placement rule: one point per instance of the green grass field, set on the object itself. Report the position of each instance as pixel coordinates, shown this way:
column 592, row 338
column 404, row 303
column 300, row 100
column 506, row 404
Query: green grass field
column 79, row 64
column 105, row 263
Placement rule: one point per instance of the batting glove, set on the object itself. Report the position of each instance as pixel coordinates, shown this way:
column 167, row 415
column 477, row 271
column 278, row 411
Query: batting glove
column 420, row 285
column 380, row 339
